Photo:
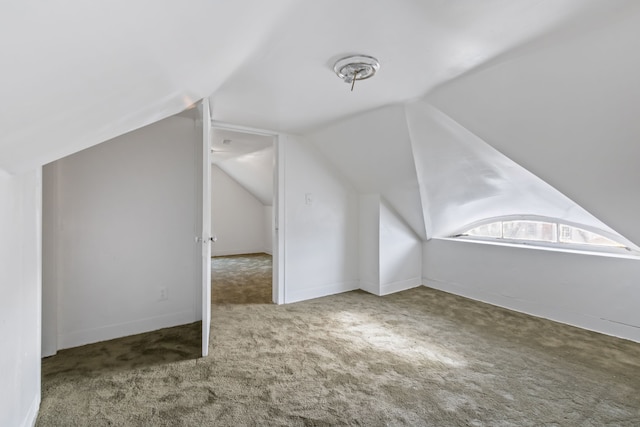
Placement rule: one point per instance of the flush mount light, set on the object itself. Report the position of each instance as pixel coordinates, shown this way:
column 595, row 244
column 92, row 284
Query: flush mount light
column 356, row 67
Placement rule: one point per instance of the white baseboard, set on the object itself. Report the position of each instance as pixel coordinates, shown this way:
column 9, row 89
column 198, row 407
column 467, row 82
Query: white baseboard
column 88, row 336
column 321, row 291
column 536, row 309
column 401, row 285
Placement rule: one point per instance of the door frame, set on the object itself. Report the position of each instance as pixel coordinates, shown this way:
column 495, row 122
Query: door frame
column 278, row 223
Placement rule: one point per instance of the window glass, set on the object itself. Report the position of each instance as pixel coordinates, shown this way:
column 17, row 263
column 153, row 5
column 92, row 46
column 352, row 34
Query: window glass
column 579, row 236
column 530, row 230
column 493, row 229
column 540, row 231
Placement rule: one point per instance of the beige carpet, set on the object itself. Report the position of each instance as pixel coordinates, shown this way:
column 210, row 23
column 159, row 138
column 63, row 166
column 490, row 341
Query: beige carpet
column 241, row 279
column 419, row 357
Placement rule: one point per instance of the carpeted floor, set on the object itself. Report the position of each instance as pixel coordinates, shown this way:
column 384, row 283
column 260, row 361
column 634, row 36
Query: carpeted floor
column 419, row 357
column 241, row 279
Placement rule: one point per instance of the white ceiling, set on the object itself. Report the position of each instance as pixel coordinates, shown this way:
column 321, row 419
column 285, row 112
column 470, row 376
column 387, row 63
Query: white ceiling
column 290, row 85
column 528, row 77
column 77, row 74
column 238, row 144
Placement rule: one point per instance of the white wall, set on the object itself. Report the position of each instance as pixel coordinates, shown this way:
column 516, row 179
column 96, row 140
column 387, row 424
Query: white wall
column 238, row 218
column 400, row 253
column 321, row 249
column 20, row 234
column 589, row 291
column 126, row 230
column 390, row 258
column 369, row 242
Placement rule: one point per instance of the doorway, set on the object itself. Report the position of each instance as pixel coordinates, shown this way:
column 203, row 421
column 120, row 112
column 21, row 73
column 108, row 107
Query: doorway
column 244, row 206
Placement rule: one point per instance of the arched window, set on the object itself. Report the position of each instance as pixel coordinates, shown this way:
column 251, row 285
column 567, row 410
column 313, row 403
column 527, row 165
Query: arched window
column 545, row 232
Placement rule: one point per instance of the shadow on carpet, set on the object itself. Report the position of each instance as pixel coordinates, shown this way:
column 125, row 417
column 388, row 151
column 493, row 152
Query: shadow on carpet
column 163, row 346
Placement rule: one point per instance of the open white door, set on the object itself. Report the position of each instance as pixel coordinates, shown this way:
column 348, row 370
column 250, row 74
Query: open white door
column 205, row 237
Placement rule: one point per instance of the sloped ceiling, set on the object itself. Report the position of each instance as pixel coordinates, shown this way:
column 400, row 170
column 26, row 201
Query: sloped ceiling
column 254, row 172
column 290, row 85
column 77, row 73
column 246, row 158
column 549, row 83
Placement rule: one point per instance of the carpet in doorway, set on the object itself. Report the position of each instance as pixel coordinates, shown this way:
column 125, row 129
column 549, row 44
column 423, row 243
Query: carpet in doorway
column 241, row 279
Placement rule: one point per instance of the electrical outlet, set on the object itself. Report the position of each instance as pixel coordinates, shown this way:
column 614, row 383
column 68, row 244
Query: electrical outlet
column 163, row 295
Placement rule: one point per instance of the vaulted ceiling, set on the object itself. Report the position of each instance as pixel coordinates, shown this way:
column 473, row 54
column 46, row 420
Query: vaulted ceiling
column 78, row 74
column 550, row 84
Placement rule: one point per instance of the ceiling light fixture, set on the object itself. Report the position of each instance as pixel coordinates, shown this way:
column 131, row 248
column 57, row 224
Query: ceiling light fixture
column 356, row 67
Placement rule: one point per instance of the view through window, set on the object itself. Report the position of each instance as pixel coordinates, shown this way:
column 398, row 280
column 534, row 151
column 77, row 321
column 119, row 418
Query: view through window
column 540, row 231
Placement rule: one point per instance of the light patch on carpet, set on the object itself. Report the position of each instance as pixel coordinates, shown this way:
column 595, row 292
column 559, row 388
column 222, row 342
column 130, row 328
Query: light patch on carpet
column 370, row 333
